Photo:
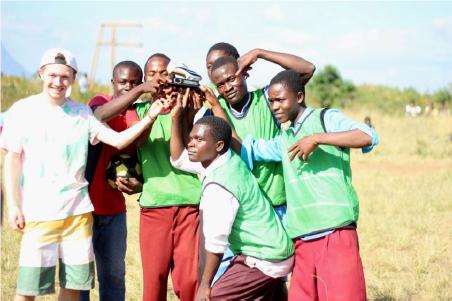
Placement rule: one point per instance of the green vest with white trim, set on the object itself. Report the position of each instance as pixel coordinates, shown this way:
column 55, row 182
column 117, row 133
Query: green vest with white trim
column 260, row 123
column 257, row 231
column 320, row 195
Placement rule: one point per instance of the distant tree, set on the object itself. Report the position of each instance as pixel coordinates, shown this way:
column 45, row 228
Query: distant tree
column 411, row 94
column 329, row 89
column 443, row 95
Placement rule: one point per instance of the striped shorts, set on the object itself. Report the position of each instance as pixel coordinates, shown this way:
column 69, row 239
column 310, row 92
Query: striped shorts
column 70, row 241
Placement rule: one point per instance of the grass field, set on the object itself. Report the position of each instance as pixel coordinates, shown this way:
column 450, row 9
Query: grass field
column 405, row 190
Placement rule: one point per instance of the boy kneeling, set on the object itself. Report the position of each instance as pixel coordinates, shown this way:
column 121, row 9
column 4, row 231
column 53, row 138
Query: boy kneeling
column 236, row 213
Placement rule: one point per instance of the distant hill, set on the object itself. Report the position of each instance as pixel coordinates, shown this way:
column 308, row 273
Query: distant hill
column 9, row 66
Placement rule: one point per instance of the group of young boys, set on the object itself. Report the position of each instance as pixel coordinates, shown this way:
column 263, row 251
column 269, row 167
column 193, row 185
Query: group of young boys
column 271, row 198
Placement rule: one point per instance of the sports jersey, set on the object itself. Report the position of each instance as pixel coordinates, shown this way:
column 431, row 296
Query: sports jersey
column 164, row 185
column 53, row 145
column 258, row 120
column 106, row 200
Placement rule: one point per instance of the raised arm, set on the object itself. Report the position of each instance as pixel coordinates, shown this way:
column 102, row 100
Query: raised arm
column 287, row 61
column 11, row 168
column 124, row 138
column 118, row 105
column 215, row 106
column 176, row 142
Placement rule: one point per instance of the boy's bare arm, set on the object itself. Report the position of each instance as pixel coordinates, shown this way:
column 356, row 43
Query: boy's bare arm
column 124, row 138
column 287, row 61
column 212, row 263
column 214, row 104
column 11, row 168
column 118, row 105
column 179, row 120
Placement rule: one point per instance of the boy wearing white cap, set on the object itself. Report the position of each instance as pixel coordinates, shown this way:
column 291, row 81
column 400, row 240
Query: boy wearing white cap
column 46, row 140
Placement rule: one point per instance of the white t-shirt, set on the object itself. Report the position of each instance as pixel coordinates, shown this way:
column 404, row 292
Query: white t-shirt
column 53, row 145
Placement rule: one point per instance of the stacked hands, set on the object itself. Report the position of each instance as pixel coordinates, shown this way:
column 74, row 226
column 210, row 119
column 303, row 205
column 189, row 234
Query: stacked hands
column 179, row 100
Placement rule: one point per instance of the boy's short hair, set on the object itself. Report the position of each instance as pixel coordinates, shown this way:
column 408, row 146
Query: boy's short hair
column 158, row 54
column 224, row 60
column 228, row 49
column 291, row 79
column 219, row 129
column 127, row 64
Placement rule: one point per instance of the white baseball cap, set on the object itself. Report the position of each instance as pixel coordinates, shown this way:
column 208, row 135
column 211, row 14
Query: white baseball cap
column 58, row 56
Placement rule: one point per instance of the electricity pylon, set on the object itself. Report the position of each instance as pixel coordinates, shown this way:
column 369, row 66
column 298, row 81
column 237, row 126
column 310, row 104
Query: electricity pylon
column 113, row 43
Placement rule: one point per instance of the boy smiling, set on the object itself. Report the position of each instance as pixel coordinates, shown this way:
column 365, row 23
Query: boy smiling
column 46, row 139
column 322, row 204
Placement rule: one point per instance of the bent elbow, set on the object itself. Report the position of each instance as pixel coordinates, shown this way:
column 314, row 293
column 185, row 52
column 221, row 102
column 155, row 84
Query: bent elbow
column 368, row 141
column 311, row 70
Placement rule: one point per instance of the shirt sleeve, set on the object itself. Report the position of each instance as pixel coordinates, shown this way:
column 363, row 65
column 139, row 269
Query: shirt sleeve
column 218, row 208
column 261, row 150
column 11, row 138
column 95, row 126
column 184, row 164
column 336, row 122
column 98, row 100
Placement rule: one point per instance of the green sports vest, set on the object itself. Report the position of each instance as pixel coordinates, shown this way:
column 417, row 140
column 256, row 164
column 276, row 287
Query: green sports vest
column 257, row 231
column 320, row 195
column 164, row 185
column 259, row 122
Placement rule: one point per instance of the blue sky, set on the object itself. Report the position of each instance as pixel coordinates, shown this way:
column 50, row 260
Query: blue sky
column 400, row 44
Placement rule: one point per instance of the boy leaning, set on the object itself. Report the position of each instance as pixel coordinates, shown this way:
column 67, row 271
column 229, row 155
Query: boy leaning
column 322, row 204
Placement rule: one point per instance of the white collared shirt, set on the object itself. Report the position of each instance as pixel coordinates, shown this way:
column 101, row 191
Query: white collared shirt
column 218, row 210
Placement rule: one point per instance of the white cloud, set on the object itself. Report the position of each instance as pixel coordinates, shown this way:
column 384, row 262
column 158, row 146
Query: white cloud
column 372, row 41
column 158, row 24
column 297, row 37
column 443, row 24
column 275, row 12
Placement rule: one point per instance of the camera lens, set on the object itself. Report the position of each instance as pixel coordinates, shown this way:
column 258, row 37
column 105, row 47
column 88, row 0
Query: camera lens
column 177, row 80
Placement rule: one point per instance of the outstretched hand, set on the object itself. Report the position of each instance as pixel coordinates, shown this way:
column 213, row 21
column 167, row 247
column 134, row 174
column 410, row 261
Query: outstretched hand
column 180, row 104
column 303, row 148
column 210, row 98
column 245, row 62
column 158, row 107
column 155, row 85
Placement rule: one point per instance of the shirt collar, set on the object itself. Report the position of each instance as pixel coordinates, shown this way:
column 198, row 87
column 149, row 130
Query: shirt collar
column 215, row 164
column 300, row 120
column 245, row 108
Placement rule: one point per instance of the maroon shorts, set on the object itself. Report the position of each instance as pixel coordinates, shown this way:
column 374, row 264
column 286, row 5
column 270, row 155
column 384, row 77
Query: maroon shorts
column 240, row 282
column 328, row 268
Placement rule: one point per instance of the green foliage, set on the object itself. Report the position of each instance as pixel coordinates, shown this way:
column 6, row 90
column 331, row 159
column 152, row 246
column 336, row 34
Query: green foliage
column 328, row 89
column 16, row 88
column 443, row 95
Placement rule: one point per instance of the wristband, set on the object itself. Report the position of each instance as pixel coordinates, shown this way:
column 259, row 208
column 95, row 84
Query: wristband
column 152, row 118
column 313, row 141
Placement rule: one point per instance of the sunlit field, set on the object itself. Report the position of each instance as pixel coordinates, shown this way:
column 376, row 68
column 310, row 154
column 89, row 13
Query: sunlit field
column 404, row 228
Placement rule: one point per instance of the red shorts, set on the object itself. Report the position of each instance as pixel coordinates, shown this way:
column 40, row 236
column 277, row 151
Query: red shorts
column 328, row 268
